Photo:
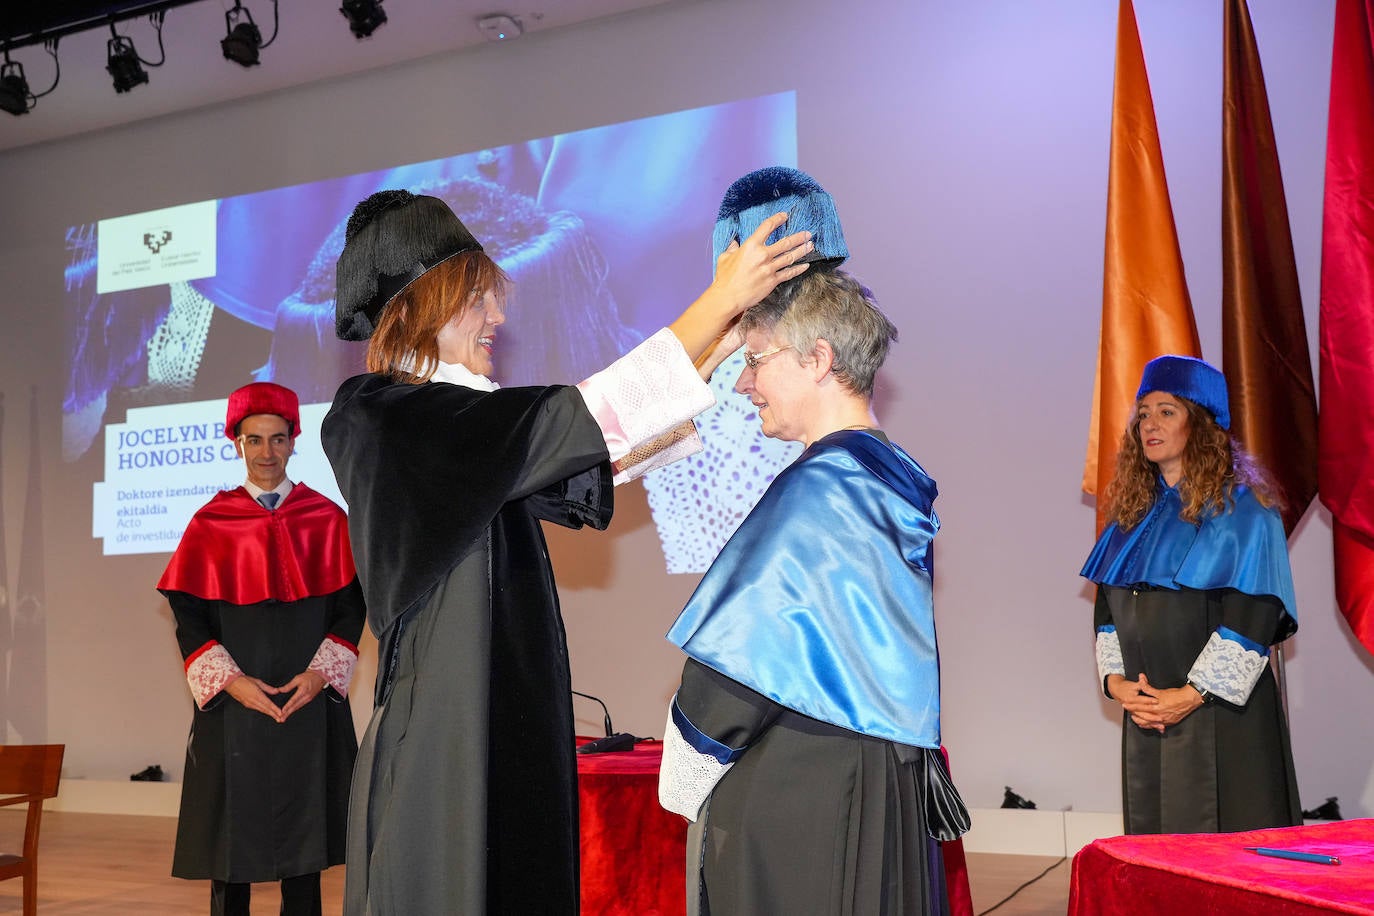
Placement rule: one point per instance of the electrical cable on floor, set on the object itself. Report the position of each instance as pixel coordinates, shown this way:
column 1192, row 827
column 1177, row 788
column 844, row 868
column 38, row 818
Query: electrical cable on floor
column 1024, row 886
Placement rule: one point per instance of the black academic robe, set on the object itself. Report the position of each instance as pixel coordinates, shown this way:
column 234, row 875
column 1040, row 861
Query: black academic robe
column 813, row 820
column 465, row 792
column 262, row 800
column 1223, row 768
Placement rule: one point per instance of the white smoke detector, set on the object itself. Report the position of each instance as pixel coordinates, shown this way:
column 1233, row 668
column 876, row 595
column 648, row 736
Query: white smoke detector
column 499, row 27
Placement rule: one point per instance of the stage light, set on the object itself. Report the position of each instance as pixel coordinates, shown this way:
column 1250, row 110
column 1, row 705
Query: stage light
column 243, row 38
column 364, row 16
column 123, row 64
column 122, row 61
column 15, row 96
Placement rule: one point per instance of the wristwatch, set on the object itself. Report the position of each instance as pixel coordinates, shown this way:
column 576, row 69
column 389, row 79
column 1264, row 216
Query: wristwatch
column 1202, row 691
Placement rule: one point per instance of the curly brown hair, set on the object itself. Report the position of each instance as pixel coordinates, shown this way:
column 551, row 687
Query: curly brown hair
column 1214, row 464
column 407, row 333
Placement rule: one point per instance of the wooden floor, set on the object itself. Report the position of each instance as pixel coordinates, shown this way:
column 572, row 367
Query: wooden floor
column 116, row 865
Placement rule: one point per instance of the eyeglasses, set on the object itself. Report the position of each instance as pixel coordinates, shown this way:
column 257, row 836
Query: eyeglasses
column 754, row 360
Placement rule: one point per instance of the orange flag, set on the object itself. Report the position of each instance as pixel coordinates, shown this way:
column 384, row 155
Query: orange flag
column 1346, row 459
column 1264, row 337
column 1146, row 311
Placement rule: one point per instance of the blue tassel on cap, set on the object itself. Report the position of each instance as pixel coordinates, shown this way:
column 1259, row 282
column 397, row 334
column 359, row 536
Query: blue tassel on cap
column 1187, row 377
column 758, row 195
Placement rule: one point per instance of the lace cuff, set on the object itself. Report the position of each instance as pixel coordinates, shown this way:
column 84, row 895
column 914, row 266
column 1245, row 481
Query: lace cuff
column 1229, row 666
column 334, row 662
column 1109, row 659
column 692, row 765
column 679, row 442
column 209, row 670
column 645, row 394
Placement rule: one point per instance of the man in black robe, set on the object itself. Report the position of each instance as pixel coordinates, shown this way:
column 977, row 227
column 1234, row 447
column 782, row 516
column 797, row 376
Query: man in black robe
column 268, row 612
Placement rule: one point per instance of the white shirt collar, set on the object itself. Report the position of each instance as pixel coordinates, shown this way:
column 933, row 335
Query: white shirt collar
column 281, row 489
column 456, row 374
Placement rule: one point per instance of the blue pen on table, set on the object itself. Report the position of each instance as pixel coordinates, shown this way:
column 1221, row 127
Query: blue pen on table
column 1317, row 857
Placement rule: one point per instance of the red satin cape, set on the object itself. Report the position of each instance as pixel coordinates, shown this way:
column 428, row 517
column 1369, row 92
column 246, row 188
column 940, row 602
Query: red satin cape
column 234, row 550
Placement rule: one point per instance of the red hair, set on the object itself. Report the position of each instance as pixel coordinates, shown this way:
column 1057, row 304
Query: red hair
column 407, row 332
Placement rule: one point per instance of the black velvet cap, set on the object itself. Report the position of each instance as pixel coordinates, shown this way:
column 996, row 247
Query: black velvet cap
column 392, row 238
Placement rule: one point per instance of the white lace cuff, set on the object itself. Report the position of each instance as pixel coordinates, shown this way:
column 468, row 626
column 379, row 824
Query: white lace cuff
column 1109, row 660
column 688, row 775
column 209, row 670
column 677, row 443
column 334, row 662
column 1229, row 666
column 645, row 394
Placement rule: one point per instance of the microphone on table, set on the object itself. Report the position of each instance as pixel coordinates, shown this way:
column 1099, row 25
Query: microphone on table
column 614, row 741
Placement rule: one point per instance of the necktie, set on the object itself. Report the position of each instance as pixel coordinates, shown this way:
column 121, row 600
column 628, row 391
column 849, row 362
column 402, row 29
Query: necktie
column 269, row 500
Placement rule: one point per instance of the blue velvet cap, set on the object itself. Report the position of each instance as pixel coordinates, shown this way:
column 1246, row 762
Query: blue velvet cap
column 758, row 195
column 1195, row 379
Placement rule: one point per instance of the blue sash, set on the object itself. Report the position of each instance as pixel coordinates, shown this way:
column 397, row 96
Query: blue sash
column 821, row 601
column 1243, row 548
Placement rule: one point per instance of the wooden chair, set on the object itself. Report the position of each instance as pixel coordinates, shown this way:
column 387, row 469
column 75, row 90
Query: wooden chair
column 28, row 773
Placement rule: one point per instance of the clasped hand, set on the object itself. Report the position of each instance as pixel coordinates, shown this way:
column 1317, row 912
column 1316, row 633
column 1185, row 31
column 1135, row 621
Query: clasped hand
column 255, row 694
column 1150, row 707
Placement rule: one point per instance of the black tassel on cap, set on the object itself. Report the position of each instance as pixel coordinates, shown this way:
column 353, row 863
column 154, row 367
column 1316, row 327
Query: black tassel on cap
column 392, row 238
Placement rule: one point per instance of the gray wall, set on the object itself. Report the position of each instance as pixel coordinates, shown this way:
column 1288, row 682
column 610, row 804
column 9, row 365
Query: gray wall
column 967, row 146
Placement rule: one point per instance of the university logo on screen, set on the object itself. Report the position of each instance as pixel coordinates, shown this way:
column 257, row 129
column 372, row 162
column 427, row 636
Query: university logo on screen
column 172, row 245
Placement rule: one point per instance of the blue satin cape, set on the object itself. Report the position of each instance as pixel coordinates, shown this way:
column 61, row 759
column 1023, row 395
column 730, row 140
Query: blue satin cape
column 1243, row 548
column 821, row 601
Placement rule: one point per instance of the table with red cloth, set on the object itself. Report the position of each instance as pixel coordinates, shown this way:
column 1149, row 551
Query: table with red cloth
column 1208, row 874
column 634, row 854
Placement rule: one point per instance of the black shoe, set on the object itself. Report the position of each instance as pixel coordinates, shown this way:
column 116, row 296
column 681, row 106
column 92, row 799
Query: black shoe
column 148, row 774
column 1330, row 811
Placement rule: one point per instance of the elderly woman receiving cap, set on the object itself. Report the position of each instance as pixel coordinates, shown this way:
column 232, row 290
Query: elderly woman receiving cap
column 804, row 740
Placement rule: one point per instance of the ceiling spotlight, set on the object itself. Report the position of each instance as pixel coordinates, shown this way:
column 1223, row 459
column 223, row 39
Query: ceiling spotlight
column 364, row 16
column 15, row 96
column 499, row 27
column 123, row 64
column 122, row 61
column 243, row 38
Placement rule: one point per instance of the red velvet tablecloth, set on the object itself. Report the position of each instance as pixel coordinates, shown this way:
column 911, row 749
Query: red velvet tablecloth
column 634, row 853
column 1213, row 874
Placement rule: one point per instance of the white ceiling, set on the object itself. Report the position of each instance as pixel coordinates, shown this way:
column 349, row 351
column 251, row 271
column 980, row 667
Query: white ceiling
column 314, row 43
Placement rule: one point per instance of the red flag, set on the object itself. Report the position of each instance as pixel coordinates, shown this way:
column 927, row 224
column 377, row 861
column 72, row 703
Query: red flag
column 1346, row 433
column 1146, row 311
column 1264, row 337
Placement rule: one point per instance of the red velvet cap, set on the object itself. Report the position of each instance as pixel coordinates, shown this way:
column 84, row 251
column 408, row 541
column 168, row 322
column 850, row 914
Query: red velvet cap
column 263, row 397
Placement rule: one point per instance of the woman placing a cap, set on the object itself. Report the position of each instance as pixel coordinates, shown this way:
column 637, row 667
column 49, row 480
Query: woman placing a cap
column 1194, row 587
column 465, row 792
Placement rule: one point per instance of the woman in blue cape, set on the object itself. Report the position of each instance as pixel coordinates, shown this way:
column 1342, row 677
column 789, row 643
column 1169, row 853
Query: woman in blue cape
column 804, row 740
column 1194, row 587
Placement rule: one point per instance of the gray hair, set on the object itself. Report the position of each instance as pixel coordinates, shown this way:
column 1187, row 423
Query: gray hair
column 829, row 305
